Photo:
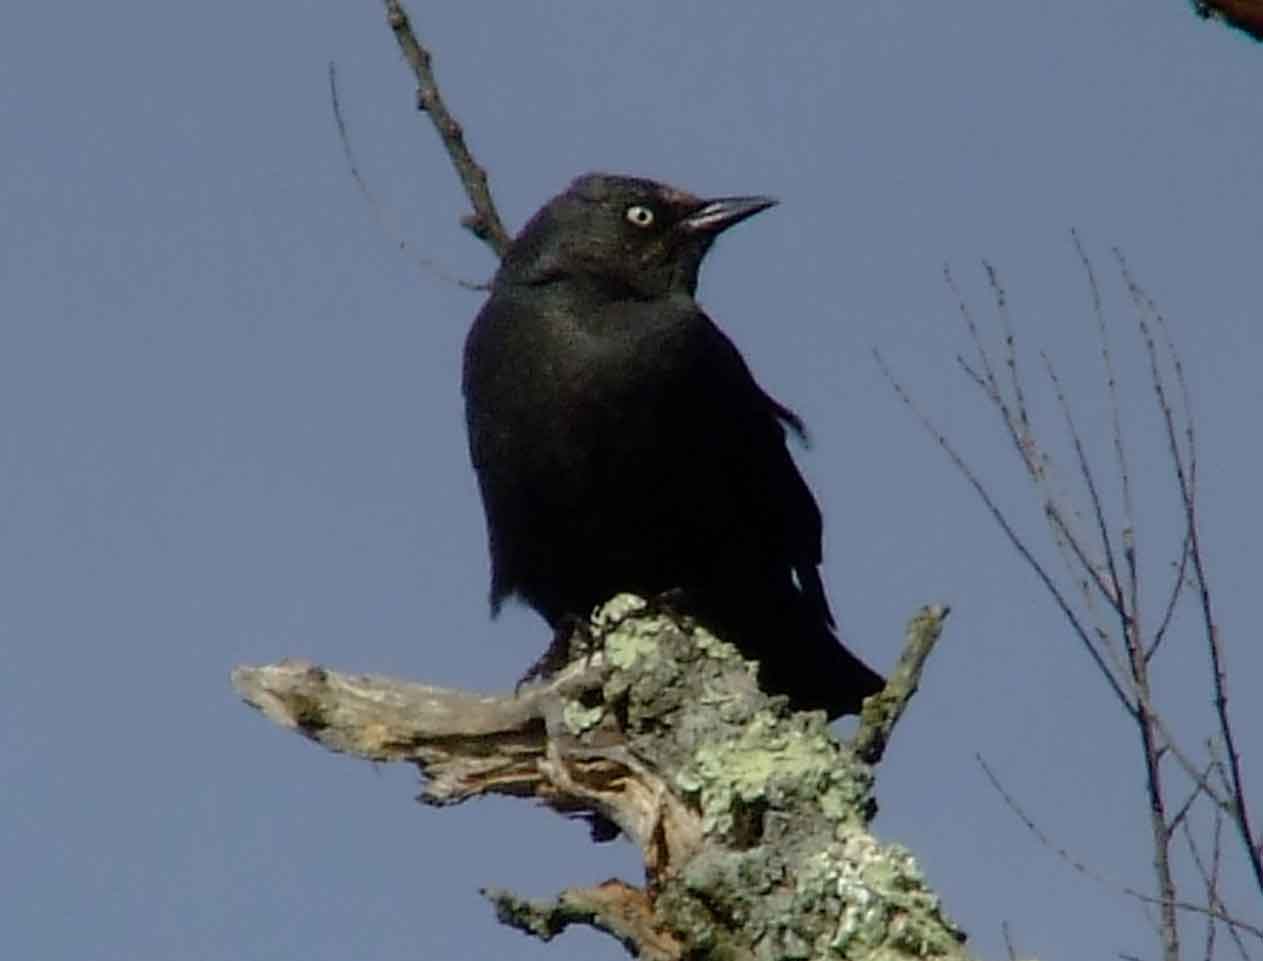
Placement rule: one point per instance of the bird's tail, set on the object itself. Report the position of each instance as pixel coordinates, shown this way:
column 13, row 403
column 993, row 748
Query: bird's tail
column 815, row 671
column 798, row 652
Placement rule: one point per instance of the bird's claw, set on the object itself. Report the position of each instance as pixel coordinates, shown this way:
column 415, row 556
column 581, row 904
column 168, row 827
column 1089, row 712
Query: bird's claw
column 572, row 635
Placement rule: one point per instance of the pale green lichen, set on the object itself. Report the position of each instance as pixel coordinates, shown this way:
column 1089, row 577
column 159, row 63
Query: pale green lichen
column 629, row 639
column 887, row 909
column 578, row 718
column 617, row 609
column 787, row 869
column 712, row 646
column 769, row 758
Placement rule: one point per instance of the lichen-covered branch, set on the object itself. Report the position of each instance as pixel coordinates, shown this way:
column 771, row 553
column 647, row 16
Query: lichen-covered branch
column 752, row 820
column 882, row 711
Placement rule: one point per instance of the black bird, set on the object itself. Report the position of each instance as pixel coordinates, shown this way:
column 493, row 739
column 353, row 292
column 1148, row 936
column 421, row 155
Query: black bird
column 622, row 444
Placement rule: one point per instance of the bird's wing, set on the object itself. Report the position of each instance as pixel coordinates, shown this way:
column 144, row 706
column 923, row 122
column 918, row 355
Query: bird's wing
column 744, row 429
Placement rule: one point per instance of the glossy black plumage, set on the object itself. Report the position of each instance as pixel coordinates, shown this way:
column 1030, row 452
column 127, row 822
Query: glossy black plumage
column 622, row 444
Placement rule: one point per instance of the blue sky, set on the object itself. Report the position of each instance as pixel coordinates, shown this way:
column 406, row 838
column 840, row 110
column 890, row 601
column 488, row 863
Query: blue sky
column 231, row 427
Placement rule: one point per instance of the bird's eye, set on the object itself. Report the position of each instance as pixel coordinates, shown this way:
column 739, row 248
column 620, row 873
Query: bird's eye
column 639, row 215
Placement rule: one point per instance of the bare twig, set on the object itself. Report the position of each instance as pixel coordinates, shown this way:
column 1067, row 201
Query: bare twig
column 1018, row 544
column 484, row 222
column 1155, row 790
column 1014, row 420
column 390, row 229
column 1008, row 941
column 1177, row 819
column 1210, row 881
column 1022, row 428
column 1113, row 592
column 1122, row 653
column 1185, row 475
column 1015, row 417
column 1082, row 868
column 1173, row 597
column 1129, row 611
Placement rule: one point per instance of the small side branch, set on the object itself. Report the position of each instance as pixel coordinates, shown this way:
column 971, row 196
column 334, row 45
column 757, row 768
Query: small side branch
column 882, row 711
column 620, row 910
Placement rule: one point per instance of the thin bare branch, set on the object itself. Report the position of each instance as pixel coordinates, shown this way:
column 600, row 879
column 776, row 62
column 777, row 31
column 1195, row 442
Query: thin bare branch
column 1182, row 757
column 1035, row 459
column 1241, row 812
column 1081, row 868
column 1113, row 592
column 1114, row 578
column 1190, row 440
column 1116, row 424
column 1019, row 545
column 1200, row 788
column 1155, row 790
column 1210, row 881
column 387, row 225
column 988, row 382
column 1008, row 941
column 1173, row 597
column 484, row 223
column 1023, row 425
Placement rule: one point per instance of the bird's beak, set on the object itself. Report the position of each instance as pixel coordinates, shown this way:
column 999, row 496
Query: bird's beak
column 718, row 215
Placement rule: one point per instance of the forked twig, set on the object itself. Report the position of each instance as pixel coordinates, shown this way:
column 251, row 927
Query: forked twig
column 1014, row 538
column 1122, row 653
column 1185, row 472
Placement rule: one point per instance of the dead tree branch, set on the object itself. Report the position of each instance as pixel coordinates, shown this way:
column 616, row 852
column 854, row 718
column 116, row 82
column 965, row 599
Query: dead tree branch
column 484, row 223
column 882, row 711
column 752, row 820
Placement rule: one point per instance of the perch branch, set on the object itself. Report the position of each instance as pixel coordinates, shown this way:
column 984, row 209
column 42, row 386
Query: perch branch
column 751, row 819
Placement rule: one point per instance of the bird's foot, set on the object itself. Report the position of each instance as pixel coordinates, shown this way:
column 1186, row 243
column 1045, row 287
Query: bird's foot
column 673, row 602
column 572, row 636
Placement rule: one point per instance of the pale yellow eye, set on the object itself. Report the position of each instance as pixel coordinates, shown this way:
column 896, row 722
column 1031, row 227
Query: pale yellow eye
column 639, row 215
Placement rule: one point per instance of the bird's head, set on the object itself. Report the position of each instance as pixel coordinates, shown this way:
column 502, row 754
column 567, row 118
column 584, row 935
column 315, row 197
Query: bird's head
column 630, row 237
